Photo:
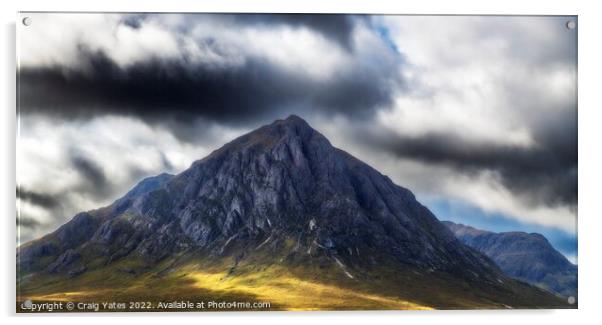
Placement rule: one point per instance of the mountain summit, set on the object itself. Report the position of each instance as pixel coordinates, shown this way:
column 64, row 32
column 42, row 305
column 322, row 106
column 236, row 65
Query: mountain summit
column 277, row 205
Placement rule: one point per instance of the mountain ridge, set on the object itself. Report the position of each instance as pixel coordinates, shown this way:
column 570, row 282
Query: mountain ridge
column 525, row 256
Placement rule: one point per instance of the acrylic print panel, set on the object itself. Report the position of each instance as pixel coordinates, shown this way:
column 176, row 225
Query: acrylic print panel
column 218, row 162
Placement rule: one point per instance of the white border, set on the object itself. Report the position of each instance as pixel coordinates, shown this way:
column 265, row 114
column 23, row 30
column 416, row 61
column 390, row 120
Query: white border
column 590, row 162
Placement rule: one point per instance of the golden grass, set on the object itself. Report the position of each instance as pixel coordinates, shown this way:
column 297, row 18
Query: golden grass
column 61, row 296
column 277, row 287
column 274, row 284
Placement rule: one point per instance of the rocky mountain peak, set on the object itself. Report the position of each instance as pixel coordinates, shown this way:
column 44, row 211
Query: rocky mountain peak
column 281, row 183
column 292, row 132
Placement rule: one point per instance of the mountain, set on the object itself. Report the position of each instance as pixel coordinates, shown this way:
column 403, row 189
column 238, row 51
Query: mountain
column 278, row 214
column 527, row 257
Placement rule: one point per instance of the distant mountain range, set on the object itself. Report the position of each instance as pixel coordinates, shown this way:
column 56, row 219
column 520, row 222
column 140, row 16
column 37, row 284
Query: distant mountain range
column 527, row 257
column 278, row 214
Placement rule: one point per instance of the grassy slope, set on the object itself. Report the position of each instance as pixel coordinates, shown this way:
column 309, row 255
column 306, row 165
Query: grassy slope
column 200, row 279
column 290, row 284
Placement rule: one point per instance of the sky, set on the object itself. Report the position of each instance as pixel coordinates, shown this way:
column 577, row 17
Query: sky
column 477, row 115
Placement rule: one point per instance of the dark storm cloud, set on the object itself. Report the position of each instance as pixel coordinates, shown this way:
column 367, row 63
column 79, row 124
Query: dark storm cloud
column 545, row 173
column 134, row 20
column 27, row 222
column 39, row 199
column 52, row 203
column 167, row 165
column 159, row 91
column 177, row 92
column 335, row 27
column 93, row 178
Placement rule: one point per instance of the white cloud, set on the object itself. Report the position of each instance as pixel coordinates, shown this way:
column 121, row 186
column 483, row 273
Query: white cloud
column 117, row 145
column 56, row 39
column 481, row 78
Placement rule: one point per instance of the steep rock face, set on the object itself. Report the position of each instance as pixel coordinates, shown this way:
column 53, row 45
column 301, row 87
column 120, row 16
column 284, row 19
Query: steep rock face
column 280, row 187
column 527, row 257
